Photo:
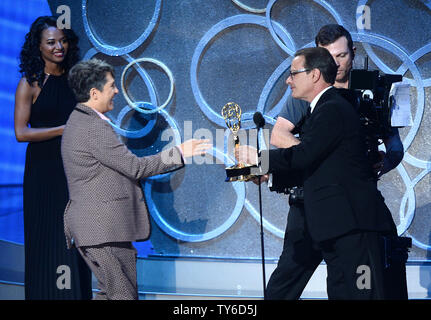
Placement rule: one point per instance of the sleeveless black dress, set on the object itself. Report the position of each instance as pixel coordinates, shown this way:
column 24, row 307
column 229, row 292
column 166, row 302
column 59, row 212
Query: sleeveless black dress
column 51, row 270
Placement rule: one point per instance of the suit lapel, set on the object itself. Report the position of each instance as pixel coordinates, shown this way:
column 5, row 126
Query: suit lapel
column 308, row 120
column 328, row 95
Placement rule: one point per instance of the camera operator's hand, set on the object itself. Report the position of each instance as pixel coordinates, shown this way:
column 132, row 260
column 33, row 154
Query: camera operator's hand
column 378, row 167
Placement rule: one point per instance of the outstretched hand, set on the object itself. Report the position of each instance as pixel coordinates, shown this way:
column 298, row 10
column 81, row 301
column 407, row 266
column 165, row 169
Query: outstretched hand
column 194, row 147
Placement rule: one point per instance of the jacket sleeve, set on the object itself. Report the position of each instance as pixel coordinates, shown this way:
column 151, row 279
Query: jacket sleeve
column 111, row 152
column 282, row 181
column 325, row 131
column 394, row 152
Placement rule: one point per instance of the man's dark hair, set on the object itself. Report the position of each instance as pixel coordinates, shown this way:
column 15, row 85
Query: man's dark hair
column 331, row 33
column 86, row 75
column 319, row 58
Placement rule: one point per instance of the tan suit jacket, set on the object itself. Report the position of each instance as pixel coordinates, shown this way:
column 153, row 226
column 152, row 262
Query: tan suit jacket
column 106, row 202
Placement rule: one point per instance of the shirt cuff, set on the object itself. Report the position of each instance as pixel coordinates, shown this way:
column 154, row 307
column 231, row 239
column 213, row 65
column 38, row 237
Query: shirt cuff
column 270, row 181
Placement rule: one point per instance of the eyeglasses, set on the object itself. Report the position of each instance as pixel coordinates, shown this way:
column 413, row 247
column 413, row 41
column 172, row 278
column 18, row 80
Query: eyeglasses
column 294, row 73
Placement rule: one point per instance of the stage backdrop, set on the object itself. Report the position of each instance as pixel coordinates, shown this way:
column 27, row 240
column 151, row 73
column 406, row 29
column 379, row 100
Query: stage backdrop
column 199, row 55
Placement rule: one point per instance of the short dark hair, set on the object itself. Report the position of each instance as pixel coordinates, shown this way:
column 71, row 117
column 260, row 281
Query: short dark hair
column 331, row 33
column 319, row 58
column 86, row 75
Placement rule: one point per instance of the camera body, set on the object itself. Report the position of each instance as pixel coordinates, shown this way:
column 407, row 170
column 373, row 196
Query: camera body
column 369, row 93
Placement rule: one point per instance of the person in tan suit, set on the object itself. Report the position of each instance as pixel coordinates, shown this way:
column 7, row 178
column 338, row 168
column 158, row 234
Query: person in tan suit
column 106, row 211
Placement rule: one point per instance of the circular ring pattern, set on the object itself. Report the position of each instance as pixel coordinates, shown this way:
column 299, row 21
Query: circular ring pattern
column 136, row 133
column 239, row 188
column 289, row 50
column 281, row 44
column 118, row 51
column 216, row 29
column 414, row 57
column 171, row 90
column 247, row 8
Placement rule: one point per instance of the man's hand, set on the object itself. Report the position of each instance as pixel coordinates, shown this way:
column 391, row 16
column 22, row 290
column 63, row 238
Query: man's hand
column 194, row 147
column 246, row 155
column 263, row 178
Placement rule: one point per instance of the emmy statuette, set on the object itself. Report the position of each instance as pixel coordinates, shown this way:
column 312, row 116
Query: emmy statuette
column 231, row 113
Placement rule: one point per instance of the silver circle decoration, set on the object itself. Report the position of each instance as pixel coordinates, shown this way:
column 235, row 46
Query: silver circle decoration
column 282, row 44
column 248, row 8
column 414, row 57
column 216, row 29
column 239, row 188
column 119, row 51
column 135, row 105
column 134, row 134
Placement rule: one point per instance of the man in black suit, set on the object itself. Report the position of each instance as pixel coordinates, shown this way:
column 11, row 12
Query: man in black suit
column 299, row 259
column 344, row 213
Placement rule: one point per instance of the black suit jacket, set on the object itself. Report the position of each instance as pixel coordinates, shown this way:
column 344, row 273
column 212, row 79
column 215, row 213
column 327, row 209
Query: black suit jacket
column 340, row 194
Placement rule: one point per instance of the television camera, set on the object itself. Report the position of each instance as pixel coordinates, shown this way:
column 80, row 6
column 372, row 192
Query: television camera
column 369, row 92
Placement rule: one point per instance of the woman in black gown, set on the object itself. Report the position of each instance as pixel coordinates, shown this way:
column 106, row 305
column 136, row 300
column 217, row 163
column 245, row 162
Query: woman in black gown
column 43, row 103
